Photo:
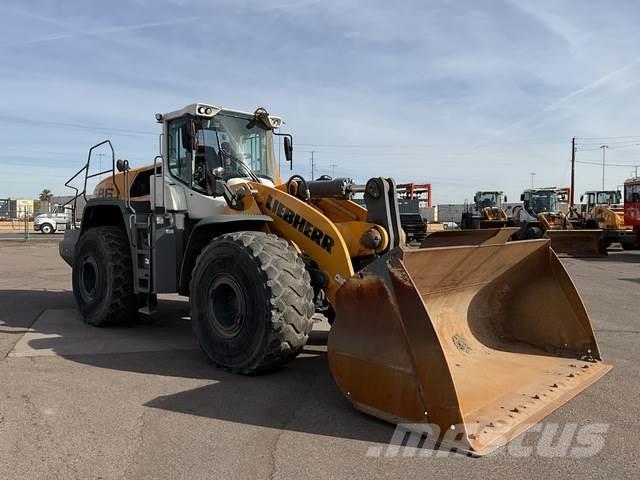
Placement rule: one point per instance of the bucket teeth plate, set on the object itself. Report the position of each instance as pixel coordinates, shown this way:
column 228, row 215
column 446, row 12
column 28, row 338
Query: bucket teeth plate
column 577, row 243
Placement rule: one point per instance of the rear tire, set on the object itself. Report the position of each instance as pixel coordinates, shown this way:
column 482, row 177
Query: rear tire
column 251, row 302
column 533, row 232
column 103, row 277
column 592, row 225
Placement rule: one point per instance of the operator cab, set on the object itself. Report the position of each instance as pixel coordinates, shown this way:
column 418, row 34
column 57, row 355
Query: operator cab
column 541, row 201
column 488, row 199
column 205, row 143
column 602, row 197
column 207, row 150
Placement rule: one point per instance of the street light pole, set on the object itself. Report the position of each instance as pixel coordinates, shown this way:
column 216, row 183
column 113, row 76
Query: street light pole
column 573, row 170
column 604, row 149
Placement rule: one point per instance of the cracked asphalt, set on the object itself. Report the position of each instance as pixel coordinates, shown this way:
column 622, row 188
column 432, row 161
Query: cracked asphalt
column 143, row 402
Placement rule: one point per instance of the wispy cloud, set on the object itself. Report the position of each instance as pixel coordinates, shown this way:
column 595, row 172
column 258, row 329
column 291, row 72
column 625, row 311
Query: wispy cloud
column 467, row 94
column 102, row 32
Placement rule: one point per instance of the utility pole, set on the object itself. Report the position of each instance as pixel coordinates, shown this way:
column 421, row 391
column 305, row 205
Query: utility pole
column 100, row 155
column 532, row 175
column 333, row 170
column 573, row 170
column 312, row 163
column 604, row 149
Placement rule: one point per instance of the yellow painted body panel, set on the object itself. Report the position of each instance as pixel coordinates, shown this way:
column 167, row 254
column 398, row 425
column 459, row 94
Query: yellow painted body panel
column 312, row 231
column 107, row 188
column 609, row 218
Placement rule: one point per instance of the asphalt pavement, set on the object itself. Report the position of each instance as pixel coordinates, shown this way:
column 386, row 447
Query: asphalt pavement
column 142, row 401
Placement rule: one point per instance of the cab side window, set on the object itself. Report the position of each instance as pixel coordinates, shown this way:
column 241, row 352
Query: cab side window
column 180, row 149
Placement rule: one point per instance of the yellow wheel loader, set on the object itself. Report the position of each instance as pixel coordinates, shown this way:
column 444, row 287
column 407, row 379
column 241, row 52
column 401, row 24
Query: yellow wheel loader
column 449, row 340
column 540, row 216
column 486, row 211
column 478, row 221
column 604, row 210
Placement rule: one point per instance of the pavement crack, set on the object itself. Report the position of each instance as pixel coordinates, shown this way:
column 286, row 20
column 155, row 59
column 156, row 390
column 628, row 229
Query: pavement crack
column 285, row 427
column 139, row 443
column 615, row 330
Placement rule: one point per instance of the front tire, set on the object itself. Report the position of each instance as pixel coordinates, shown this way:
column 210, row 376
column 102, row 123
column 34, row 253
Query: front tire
column 251, row 302
column 46, row 228
column 533, row 232
column 103, row 277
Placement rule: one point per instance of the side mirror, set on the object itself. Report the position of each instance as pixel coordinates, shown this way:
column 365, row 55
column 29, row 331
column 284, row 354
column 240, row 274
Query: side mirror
column 581, row 198
column 505, row 198
column 288, row 149
column 522, row 197
column 122, row 165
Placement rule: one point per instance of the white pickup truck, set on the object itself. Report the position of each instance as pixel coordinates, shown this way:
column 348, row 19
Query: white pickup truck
column 56, row 221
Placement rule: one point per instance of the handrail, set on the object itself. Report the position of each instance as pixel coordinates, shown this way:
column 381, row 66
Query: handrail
column 155, row 176
column 85, row 169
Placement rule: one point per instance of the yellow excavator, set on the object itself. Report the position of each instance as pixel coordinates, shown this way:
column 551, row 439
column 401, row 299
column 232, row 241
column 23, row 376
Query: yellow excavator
column 449, row 338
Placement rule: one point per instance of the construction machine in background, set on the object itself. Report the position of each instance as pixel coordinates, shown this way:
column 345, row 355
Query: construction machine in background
column 604, row 209
column 632, row 206
column 449, row 340
column 540, row 216
column 485, row 212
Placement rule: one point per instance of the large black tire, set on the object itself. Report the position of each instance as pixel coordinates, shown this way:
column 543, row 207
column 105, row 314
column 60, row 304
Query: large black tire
column 591, row 224
column 251, row 302
column 103, row 277
column 46, row 228
column 533, row 232
column 628, row 245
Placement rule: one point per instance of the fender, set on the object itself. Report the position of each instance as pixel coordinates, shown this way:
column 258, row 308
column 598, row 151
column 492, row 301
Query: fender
column 112, row 212
column 311, row 230
column 207, row 229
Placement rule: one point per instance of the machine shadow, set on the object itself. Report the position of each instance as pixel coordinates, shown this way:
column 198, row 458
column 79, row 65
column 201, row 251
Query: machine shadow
column 300, row 396
column 19, row 309
column 615, row 256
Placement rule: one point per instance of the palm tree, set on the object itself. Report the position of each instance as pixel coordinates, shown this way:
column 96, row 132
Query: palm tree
column 46, row 195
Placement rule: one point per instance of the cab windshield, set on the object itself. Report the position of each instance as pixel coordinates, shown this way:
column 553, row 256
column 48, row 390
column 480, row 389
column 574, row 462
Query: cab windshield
column 544, row 202
column 236, row 144
column 608, row 198
column 488, row 199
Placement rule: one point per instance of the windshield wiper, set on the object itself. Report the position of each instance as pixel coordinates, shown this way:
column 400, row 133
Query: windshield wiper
column 243, row 165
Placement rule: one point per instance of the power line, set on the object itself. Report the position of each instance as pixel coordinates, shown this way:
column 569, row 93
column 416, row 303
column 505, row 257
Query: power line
column 75, row 126
column 606, row 138
column 627, row 165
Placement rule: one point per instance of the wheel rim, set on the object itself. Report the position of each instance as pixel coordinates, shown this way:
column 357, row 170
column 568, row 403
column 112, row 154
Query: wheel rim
column 46, row 229
column 88, row 279
column 227, row 306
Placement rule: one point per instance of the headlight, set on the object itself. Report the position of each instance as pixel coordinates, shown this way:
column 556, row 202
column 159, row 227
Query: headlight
column 206, row 110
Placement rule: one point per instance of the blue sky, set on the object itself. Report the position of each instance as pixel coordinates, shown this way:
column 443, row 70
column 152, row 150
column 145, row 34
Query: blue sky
column 467, row 95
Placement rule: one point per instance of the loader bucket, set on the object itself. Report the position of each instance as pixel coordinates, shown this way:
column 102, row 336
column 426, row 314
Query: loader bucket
column 449, row 238
column 577, row 243
column 475, row 343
